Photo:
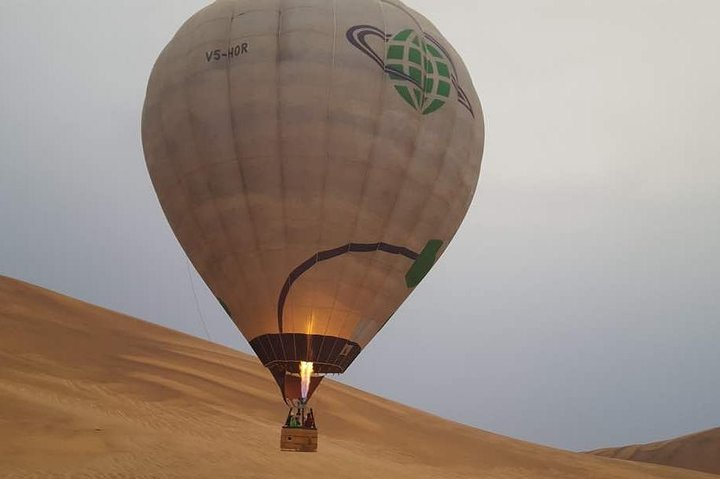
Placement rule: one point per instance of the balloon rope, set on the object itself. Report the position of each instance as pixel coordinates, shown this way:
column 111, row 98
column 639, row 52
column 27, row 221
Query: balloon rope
column 197, row 303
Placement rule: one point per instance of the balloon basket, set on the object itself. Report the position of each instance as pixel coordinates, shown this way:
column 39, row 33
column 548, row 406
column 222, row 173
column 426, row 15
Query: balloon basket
column 298, row 439
column 299, row 434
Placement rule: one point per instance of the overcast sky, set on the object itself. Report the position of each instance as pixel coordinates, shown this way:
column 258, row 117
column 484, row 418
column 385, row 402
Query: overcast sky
column 584, row 281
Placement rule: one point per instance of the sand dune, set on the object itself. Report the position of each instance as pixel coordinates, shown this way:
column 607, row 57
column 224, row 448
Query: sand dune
column 85, row 392
column 699, row 451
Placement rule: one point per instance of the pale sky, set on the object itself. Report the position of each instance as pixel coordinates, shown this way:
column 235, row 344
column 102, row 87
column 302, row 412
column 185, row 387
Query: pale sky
column 583, row 283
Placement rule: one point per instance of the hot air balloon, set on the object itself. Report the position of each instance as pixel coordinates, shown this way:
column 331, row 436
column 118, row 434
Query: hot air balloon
column 314, row 159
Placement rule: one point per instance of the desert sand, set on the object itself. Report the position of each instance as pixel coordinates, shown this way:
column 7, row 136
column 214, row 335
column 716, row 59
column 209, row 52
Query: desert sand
column 86, row 392
column 699, row 451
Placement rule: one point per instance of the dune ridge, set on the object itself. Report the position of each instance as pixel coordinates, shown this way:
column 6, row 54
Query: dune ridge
column 86, row 392
column 699, row 451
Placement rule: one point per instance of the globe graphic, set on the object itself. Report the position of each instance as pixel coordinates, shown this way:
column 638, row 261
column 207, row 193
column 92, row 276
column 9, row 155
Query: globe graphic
column 421, row 71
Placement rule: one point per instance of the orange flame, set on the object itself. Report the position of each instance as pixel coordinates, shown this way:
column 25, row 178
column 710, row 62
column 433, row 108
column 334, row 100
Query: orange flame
column 306, row 370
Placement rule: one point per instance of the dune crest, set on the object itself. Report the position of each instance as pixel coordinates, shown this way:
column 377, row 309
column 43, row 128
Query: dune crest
column 699, row 452
column 86, row 392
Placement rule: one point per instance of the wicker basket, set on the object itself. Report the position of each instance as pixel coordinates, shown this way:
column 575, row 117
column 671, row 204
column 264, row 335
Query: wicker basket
column 298, row 439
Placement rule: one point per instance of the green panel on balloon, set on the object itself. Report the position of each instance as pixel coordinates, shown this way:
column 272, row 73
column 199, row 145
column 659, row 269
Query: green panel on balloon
column 423, row 264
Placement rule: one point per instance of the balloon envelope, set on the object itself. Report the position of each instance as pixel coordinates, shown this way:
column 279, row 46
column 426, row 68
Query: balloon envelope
column 314, row 159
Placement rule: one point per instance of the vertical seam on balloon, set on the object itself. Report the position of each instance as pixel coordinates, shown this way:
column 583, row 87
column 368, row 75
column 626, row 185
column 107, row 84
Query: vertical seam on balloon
column 278, row 132
column 238, row 163
column 193, row 138
column 363, row 189
column 248, row 207
column 232, row 251
column 401, row 190
column 328, row 159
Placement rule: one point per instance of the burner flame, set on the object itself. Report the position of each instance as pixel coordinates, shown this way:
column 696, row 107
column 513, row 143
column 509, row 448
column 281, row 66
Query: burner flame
column 306, row 371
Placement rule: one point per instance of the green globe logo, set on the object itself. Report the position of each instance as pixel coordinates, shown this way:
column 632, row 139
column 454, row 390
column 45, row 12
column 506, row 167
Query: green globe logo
column 417, row 64
column 420, row 71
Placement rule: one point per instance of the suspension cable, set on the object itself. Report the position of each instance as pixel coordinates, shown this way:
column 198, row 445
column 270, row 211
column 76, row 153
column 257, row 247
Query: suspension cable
column 197, row 303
